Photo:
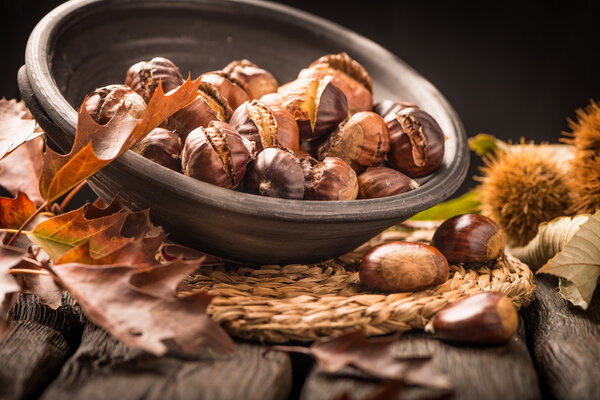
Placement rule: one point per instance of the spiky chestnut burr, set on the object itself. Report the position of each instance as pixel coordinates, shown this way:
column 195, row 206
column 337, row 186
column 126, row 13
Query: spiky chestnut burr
column 522, row 188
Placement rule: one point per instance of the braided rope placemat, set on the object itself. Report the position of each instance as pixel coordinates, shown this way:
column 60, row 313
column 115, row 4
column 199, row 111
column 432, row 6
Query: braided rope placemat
column 305, row 302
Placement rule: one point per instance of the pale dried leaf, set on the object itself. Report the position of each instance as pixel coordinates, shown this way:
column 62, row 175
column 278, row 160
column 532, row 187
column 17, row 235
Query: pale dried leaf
column 20, row 171
column 17, row 126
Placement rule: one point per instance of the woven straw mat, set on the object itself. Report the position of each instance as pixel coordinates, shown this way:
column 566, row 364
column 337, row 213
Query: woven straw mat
column 276, row 303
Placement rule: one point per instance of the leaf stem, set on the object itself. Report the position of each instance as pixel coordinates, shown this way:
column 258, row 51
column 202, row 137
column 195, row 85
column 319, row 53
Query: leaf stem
column 14, row 231
column 28, row 220
column 28, row 271
column 71, row 194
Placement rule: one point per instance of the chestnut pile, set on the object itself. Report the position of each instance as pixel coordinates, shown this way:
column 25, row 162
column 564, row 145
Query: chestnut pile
column 318, row 137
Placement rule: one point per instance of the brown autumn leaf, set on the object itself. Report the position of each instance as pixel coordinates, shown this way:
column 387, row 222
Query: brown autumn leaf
column 59, row 234
column 100, row 209
column 9, row 258
column 375, row 357
column 130, row 254
column 96, row 145
column 14, row 212
column 173, row 251
column 20, row 171
column 17, row 126
column 142, row 308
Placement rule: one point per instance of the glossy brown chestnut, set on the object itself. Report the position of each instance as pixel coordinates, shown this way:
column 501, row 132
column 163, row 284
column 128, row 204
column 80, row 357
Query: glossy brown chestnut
column 208, row 106
column 161, row 146
column 258, row 81
column 235, row 91
column 388, row 108
column 469, row 238
column 317, row 105
column 144, row 76
column 215, row 154
column 103, row 103
column 266, row 126
column 348, row 75
column 403, row 266
column 416, row 142
column 276, row 173
column 330, row 179
column 362, row 141
column 484, row 318
column 378, row 182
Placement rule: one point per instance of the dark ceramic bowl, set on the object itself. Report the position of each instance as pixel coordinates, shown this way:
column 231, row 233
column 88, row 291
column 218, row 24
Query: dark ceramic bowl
column 85, row 44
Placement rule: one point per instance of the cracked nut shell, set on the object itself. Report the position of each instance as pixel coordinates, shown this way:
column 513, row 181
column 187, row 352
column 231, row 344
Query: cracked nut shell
column 362, row 141
column 276, row 173
column 469, row 238
column 143, row 77
column 483, row 318
column 259, row 81
column 161, row 146
column 266, row 126
column 236, row 92
column 416, row 142
column 348, row 75
column 102, row 104
column 378, row 182
column 215, row 154
column 330, row 179
column 403, row 267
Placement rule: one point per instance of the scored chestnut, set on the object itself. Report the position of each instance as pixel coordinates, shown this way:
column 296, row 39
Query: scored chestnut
column 388, row 108
column 416, row 142
column 215, row 154
column 469, row 238
column 276, row 173
column 259, row 81
column 266, row 126
column 330, row 179
column 102, row 104
column 317, row 105
column 403, row 266
column 483, row 318
column 161, row 146
column 362, row 141
column 236, row 92
column 378, row 182
column 348, row 75
column 144, row 76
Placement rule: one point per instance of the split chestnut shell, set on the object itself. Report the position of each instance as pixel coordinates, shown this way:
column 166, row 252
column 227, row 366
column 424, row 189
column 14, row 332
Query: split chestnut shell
column 161, row 146
column 102, row 104
column 144, row 76
column 330, row 179
column 235, row 91
column 258, row 80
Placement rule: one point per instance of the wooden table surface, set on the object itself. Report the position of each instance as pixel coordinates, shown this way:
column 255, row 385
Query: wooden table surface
column 55, row 354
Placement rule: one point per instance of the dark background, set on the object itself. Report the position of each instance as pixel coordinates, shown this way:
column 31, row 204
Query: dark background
column 510, row 69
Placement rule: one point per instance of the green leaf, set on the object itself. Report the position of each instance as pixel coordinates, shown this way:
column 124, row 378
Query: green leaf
column 466, row 204
column 486, row 145
column 578, row 263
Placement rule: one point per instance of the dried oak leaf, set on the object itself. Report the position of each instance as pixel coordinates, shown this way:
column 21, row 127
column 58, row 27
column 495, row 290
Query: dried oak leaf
column 14, row 212
column 9, row 258
column 375, row 357
column 17, row 126
column 96, row 145
column 142, row 308
column 578, row 263
column 21, row 170
column 61, row 233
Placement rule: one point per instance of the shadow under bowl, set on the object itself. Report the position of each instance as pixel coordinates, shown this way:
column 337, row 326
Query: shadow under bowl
column 85, row 44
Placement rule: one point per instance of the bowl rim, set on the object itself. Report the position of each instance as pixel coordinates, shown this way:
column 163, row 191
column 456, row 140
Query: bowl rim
column 441, row 185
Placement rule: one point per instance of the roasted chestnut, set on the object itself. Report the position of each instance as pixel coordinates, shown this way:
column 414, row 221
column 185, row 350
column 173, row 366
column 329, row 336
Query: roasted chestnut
column 317, row 105
column 144, row 76
column 266, row 126
column 215, row 154
column 330, row 179
column 403, row 266
column 235, row 91
column 161, row 146
column 362, row 141
column 208, row 106
column 103, row 103
column 416, row 142
column 276, row 173
column 348, row 75
column 469, row 238
column 483, row 318
column 378, row 182
column 258, row 81
column 388, row 108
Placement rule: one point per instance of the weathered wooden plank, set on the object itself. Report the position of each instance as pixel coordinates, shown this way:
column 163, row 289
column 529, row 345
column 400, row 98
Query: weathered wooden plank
column 105, row 368
column 492, row 372
column 39, row 343
column 565, row 342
